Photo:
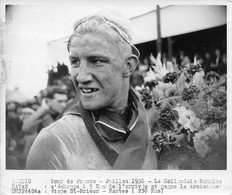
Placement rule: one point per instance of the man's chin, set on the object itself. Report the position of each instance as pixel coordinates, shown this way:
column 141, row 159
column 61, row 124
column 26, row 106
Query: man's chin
column 91, row 106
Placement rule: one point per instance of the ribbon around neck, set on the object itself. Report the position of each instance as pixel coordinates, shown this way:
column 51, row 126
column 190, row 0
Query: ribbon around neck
column 133, row 152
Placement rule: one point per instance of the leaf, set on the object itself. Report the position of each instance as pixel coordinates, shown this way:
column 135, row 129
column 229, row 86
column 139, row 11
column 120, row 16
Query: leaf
column 201, row 140
column 180, row 83
column 170, row 67
column 183, row 158
column 195, row 125
column 159, row 68
column 216, row 159
column 150, row 76
column 179, row 138
column 152, row 115
column 158, row 60
column 153, row 60
column 165, row 103
column 198, row 79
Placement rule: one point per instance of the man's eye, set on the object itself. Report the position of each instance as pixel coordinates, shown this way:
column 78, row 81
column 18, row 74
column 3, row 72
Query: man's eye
column 98, row 61
column 75, row 63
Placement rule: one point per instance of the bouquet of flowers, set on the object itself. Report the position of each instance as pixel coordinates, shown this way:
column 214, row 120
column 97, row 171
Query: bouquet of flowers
column 187, row 112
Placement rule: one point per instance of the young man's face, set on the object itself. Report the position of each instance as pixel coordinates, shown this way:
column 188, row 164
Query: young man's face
column 97, row 72
column 58, row 103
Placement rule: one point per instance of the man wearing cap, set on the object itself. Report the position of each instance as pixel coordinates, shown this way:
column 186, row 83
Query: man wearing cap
column 107, row 128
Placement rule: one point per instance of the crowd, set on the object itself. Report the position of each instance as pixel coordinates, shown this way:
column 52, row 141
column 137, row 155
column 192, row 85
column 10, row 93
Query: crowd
column 210, row 61
column 25, row 121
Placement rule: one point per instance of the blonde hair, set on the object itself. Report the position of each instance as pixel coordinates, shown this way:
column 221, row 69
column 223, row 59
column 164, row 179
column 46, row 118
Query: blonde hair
column 96, row 25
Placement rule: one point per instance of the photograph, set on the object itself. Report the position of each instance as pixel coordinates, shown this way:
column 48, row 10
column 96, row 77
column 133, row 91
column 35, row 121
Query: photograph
column 115, row 86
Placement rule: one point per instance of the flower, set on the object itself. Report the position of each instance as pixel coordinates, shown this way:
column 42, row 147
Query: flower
column 187, row 118
column 150, row 76
column 167, row 118
column 190, row 93
column 202, row 137
column 164, row 88
column 212, row 76
column 198, row 79
column 215, row 115
column 175, row 102
column 219, row 99
column 193, row 68
column 151, row 84
column 160, row 69
column 170, row 77
column 147, row 97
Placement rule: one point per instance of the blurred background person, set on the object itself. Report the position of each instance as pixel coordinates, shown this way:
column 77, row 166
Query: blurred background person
column 13, row 121
column 137, row 77
column 29, row 136
column 175, row 65
column 26, row 112
column 180, row 57
column 14, row 135
column 51, row 106
column 222, row 68
column 207, row 62
column 216, row 61
column 11, row 160
column 185, row 62
column 145, row 65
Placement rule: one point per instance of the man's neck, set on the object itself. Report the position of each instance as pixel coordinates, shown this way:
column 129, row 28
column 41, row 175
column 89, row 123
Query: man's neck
column 124, row 113
column 54, row 115
column 121, row 120
column 124, row 105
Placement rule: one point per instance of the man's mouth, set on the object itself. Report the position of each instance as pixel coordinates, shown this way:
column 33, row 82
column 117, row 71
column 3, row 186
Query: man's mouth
column 88, row 90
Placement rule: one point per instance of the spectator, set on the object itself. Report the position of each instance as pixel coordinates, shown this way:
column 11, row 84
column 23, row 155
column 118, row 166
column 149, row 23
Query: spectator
column 13, row 135
column 50, row 108
column 217, row 61
column 13, row 121
column 26, row 112
column 185, row 62
column 145, row 65
column 29, row 136
column 207, row 62
column 180, row 57
column 222, row 68
column 200, row 60
column 11, row 160
column 136, row 78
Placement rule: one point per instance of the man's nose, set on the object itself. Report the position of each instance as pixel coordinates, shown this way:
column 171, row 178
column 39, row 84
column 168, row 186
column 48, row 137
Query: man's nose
column 84, row 73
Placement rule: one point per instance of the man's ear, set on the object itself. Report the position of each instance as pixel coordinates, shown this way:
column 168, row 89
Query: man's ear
column 131, row 64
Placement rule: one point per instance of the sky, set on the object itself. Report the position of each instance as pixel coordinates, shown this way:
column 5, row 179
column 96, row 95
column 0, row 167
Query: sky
column 30, row 27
